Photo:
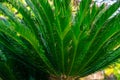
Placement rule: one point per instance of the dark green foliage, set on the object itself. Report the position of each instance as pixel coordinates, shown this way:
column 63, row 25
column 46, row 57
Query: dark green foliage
column 53, row 39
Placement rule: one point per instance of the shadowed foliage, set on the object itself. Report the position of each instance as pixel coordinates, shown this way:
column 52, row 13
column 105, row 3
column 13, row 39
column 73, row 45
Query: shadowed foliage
column 51, row 38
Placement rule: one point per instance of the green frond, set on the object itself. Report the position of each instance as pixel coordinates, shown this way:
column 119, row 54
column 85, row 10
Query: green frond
column 49, row 37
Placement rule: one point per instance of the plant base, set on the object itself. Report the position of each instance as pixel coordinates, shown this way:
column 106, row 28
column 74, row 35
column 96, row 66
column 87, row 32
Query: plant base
column 62, row 77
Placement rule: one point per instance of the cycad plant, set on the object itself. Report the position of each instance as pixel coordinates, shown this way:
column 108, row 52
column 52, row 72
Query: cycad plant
column 50, row 37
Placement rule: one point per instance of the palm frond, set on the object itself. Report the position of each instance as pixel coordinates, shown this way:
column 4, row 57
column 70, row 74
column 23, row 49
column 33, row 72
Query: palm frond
column 62, row 44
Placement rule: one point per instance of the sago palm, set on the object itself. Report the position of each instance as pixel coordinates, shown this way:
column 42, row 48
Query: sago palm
column 50, row 37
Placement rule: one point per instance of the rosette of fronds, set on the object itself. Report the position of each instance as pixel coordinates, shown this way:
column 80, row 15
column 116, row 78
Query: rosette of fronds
column 49, row 37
